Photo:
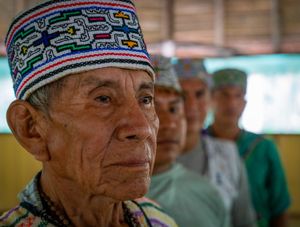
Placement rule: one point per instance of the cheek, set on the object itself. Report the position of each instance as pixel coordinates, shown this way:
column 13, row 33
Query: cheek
column 153, row 122
column 152, row 145
column 182, row 130
column 89, row 146
column 186, row 109
column 202, row 106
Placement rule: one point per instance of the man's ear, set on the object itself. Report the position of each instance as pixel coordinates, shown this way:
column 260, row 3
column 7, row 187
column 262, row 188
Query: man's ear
column 244, row 104
column 27, row 123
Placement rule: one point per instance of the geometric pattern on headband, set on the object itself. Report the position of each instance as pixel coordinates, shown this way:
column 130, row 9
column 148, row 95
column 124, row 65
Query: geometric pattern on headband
column 62, row 37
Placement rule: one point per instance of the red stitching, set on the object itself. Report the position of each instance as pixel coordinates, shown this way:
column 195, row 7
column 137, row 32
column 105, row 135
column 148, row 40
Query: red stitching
column 74, row 59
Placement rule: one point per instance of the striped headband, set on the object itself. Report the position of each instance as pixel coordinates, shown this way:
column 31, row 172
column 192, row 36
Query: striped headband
column 61, row 37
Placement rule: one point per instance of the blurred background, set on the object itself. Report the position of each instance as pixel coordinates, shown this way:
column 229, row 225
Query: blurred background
column 261, row 37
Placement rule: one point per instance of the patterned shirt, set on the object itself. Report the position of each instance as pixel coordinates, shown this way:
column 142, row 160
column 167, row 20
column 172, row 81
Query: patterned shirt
column 220, row 162
column 30, row 212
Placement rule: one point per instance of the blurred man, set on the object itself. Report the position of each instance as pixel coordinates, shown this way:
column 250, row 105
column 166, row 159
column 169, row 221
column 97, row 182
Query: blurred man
column 216, row 159
column 266, row 176
column 186, row 196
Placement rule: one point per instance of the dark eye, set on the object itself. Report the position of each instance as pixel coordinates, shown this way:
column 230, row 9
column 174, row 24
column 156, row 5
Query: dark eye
column 103, row 99
column 173, row 109
column 200, row 93
column 147, row 100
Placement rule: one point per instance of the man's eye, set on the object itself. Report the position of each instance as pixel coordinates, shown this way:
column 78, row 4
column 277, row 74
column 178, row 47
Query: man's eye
column 147, row 100
column 173, row 109
column 103, row 99
column 200, row 94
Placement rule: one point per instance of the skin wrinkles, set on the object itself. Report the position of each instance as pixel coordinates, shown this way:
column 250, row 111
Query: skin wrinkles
column 89, row 137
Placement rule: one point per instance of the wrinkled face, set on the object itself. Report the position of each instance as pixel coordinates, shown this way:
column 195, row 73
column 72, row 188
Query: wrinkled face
column 102, row 132
column 196, row 103
column 228, row 104
column 172, row 126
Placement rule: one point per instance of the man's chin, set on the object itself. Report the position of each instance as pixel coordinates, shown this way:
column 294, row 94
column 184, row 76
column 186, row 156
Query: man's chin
column 132, row 190
column 126, row 183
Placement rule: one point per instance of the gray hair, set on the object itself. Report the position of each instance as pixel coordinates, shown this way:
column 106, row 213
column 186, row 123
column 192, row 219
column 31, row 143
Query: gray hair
column 42, row 97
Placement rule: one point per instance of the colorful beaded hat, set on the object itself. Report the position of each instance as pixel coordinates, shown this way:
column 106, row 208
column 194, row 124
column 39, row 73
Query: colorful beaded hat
column 165, row 72
column 62, row 37
column 229, row 77
column 192, row 68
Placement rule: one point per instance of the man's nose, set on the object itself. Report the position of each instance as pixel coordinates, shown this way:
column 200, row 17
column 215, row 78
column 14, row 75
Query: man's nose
column 134, row 124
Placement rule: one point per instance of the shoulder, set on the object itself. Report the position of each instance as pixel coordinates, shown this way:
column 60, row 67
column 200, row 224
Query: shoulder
column 147, row 210
column 196, row 186
column 14, row 215
column 262, row 142
column 247, row 136
column 20, row 216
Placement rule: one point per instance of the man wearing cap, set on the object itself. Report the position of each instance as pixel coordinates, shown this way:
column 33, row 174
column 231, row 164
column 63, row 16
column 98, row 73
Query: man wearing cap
column 84, row 109
column 216, row 159
column 186, row 196
column 265, row 172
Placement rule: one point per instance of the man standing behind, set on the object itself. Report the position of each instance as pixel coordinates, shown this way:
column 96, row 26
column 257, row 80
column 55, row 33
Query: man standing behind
column 191, row 199
column 216, row 159
column 265, row 173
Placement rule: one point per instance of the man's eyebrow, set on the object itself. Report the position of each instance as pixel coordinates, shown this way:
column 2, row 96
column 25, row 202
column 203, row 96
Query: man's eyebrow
column 98, row 82
column 176, row 101
column 95, row 83
column 147, row 86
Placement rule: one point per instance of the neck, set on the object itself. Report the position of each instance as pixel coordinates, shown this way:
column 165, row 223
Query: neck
column 226, row 131
column 81, row 208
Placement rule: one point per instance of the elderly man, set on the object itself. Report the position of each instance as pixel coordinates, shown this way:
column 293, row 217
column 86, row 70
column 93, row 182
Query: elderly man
column 84, row 108
column 266, row 176
column 188, row 197
column 216, row 159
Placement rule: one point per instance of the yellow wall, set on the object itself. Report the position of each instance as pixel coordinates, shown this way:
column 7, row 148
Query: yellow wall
column 17, row 167
column 289, row 146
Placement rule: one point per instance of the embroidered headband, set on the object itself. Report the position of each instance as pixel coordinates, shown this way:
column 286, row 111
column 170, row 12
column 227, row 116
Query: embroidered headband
column 192, row 68
column 230, row 77
column 62, row 37
column 165, row 72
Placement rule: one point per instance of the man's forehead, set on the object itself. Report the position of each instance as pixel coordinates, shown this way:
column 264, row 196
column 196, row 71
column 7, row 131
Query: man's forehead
column 114, row 78
column 164, row 95
column 231, row 89
column 192, row 85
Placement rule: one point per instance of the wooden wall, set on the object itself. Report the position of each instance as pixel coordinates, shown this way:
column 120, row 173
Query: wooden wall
column 247, row 27
column 17, row 167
